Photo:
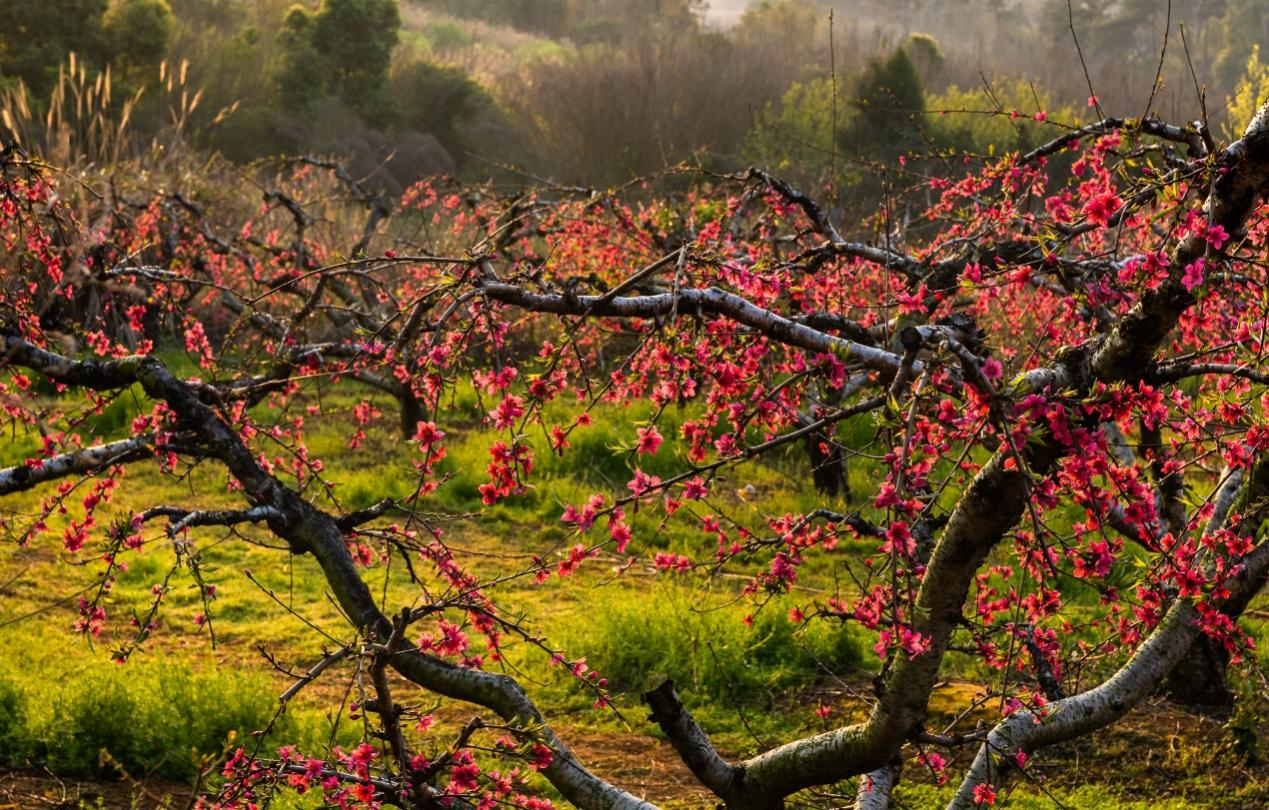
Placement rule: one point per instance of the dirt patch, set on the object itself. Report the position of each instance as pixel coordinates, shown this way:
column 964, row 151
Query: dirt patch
column 24, row 790
column 647, row 767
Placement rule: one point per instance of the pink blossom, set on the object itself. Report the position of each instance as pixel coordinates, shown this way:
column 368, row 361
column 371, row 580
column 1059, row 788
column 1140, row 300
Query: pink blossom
column 984, row 795
column 1193, row 275
column 1216, row 236
column 695, row 489
column 649, row 439
column 992, row 369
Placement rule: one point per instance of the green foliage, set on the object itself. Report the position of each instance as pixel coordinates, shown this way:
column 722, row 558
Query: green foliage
column 1246, row 721
column 1251, row 90
column 887, row 97
column 878, row 115
column 448, row 35
column 587, row 21
column 252, row 131
column 235, row 61
column 792, row 136
column 13, row 738
column 796, row 133
column 540, row 50
column 36, row 36
column 304, row 77
column 137, row 33
column 151, row 717
column 982, row 122
column 438, row 99
column 344, row 48
column 710, row 654
column 1238, row 32
column 927, row 56
column 356, row 37
column 1026, row 797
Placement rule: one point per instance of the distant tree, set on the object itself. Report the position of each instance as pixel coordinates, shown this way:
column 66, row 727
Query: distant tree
column 36, row 36
column 1252, row 89
column 646, row 92
column 795, row 134
column 625, row 20
column 926, row 55
column 137, row 33
column 356, row 37
column 1240, row 29
column 437, row 99
column 787, row 39
column 304, row 77
column 884, row 98
column 343, row 48
column 995, row 120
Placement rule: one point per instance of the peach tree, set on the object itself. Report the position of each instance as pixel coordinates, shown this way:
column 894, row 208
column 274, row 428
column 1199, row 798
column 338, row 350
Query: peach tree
column 1048, row 367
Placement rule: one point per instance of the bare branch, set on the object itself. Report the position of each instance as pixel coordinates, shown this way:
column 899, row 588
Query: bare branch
column 78, row 462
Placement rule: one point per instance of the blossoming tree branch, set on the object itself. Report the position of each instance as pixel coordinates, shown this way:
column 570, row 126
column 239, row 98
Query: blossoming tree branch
column 1056, row 358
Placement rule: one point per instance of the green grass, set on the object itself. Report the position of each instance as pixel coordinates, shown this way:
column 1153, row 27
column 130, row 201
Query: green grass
column 710, row 652
column 1030, row 797
column 150, row 717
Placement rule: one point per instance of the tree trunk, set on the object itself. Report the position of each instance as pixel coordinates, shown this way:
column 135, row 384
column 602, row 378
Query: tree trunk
column 1199, row 678
column 411, row 413
column 828, row 470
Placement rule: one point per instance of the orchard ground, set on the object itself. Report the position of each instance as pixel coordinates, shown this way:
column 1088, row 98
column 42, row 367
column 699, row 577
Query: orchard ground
column 139, row 734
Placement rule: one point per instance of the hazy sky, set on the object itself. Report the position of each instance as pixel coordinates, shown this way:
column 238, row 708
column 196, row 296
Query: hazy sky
column 726, row 12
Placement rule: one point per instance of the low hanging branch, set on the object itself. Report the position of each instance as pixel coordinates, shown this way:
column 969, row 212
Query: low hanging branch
column 78, row 462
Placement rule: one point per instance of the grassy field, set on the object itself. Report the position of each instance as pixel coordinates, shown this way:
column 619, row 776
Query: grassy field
column 180, row 702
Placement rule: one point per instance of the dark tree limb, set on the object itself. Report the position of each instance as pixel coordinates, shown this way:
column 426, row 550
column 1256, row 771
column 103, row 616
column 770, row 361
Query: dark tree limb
column 690, row 740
